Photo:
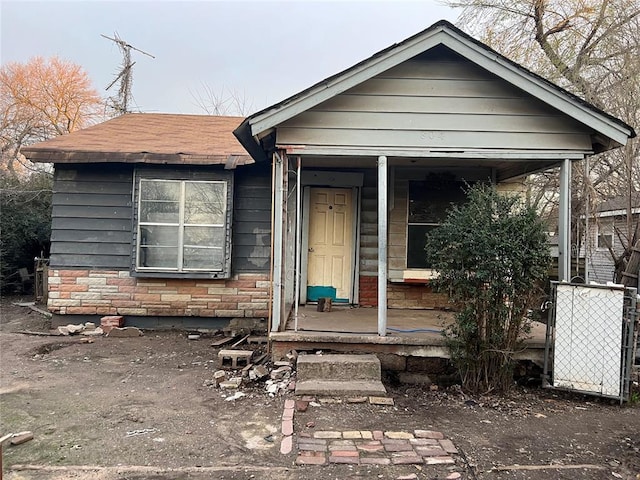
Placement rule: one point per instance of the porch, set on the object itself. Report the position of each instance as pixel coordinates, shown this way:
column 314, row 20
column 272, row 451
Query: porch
column 410, row 333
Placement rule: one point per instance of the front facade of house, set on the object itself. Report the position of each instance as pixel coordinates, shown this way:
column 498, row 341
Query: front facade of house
column 347, row 178
column 143, row 231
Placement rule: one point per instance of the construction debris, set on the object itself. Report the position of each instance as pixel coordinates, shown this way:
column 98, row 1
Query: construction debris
column 125, row 332
column 21, row 437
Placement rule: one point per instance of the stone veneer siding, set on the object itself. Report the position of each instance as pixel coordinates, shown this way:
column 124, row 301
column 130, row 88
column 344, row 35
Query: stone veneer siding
column 401, row 295
column 107, row 292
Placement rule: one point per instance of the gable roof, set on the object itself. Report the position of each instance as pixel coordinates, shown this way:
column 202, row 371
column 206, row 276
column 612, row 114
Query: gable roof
column 148, row 138
column 612, row 132
column 620, row 203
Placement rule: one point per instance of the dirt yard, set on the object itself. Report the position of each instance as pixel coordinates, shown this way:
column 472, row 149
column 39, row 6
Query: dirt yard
column 145, row 408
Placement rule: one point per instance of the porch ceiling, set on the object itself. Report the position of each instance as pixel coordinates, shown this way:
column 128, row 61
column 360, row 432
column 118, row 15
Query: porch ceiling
column 505, row 168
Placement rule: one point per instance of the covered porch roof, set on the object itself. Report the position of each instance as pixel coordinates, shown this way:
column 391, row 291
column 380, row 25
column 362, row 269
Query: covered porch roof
column 258, row 132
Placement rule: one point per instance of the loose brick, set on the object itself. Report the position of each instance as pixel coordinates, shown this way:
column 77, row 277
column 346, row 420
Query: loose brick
column 408, row 460
column 287, row 414
column 342, row 448
column 378, row 435
column 370, row 448
column 306, row 438
column 310, row 447
column 352, row 434
column 342, row 443
column 304, row 460
column 375, row 460
column 344, row 453
column 448, row 446
column 287, row 427
column 439, row 460
column 430, row 452
column 398, row 435
column 286, row 445
column 398, row 447
column 327, row 434
column 289, row 403
column 428, row 434
column 423, row 441
column 349, row 460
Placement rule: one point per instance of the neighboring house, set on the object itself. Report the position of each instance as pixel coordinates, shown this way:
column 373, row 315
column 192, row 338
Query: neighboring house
column 363, row 164
column 161, row 218
column 609, row 232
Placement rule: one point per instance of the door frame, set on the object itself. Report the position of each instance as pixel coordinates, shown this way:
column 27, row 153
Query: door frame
column 342, row 180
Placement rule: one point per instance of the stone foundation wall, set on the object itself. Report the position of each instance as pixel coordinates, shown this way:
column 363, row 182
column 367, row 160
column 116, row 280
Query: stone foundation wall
column 106, row 292
column 401, row 295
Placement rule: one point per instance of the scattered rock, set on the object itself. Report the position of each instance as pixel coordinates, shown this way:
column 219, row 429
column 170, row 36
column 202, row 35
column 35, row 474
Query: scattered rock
column 94, row 332
column 234, row 382
column 381, row 401
column 235, row 396
column 125, row 332
column 219, row 376
column 258, row 372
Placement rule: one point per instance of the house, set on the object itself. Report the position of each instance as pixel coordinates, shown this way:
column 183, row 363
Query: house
column 161, row 218
column 360, row 166
column 378, row 151
column 612, row 228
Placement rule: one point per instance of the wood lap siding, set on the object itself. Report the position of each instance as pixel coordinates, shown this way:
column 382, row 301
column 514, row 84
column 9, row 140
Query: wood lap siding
column 91, row 217
column 251, row 244
column 369, row 225
column 436, row 100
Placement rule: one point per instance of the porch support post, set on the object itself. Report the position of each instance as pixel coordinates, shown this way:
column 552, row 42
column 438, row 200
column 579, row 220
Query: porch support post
column 298, row 240
column 278, row 197
column 382, row 246
column 564, row 223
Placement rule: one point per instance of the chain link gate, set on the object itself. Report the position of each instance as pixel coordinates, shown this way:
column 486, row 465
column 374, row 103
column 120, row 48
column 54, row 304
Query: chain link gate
column 589, row 344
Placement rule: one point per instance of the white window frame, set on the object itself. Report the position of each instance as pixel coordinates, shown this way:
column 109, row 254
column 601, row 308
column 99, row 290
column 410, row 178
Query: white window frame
column 183, row 177
column 604, row 232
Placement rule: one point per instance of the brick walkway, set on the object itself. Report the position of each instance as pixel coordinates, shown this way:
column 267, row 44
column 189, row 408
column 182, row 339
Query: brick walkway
column 375, row 448
column 362, row 447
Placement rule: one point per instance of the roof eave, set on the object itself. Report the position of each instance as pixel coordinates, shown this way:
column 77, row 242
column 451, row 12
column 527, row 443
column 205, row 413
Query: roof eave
column 40, row 155
column 249, row 142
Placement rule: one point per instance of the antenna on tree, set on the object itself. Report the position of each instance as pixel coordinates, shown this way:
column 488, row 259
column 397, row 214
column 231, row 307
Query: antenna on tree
column 120, row 102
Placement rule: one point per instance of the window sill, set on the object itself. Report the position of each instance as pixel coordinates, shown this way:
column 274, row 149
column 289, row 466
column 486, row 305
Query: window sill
column 160, row 274
column 414, row 276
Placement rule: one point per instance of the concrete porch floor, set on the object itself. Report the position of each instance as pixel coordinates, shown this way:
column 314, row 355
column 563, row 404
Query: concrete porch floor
column 355, row 330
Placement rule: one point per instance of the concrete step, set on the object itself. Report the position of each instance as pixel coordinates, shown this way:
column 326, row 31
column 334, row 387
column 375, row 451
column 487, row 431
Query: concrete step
column 340, row 388
column 338, row 367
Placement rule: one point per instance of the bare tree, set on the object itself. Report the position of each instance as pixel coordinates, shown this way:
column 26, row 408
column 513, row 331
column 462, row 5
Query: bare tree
column 225, row 101
column 591, row 48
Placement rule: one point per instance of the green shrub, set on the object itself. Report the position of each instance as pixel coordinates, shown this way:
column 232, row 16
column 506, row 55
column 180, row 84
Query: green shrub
column 25, row 223
column 492, row 255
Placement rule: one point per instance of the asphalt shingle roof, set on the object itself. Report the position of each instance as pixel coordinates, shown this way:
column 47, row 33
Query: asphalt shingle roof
column 148, row 138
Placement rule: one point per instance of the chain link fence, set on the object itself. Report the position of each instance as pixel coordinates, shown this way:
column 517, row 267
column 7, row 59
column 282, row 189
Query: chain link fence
column 590, row 339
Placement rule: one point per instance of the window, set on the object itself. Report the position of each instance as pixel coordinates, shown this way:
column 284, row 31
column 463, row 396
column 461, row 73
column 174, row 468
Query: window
column 182, row 226
column 604, row 240
column 429, row 200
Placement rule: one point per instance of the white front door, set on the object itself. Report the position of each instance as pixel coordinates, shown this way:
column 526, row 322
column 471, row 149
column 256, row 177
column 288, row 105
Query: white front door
column 330, row 260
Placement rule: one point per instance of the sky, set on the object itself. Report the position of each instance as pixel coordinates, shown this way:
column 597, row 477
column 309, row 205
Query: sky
column 263, row 51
